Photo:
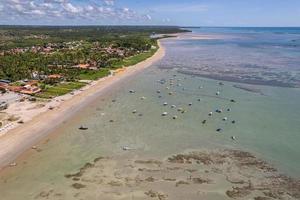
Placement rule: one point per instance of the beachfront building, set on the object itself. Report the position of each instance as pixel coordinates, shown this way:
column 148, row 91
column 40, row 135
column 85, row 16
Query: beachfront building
column 86, row 66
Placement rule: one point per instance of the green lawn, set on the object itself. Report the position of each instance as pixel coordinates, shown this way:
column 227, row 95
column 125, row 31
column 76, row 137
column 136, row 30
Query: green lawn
column 59, row 89
column 94, row 75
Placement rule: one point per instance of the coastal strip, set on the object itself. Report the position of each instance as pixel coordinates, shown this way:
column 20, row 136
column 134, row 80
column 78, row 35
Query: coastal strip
column 23, row 137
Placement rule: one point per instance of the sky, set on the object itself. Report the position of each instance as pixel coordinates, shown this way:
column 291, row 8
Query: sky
column 151, row 12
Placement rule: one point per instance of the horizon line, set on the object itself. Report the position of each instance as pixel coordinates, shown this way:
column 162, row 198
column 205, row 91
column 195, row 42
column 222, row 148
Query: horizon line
column 146, row 25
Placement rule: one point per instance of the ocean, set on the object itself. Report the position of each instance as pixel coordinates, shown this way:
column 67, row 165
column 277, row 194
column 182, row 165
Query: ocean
column 251, row 75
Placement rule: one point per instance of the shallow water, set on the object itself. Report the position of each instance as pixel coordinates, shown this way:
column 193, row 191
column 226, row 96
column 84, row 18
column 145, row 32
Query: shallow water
column 267, row 124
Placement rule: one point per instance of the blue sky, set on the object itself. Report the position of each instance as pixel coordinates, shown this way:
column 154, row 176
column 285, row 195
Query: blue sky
column 152, row 12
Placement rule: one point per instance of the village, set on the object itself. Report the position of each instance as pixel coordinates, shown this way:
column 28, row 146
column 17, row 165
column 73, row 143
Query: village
column 60, row 69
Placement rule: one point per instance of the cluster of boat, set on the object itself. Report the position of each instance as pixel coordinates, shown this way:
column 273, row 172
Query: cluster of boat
column 172, row 82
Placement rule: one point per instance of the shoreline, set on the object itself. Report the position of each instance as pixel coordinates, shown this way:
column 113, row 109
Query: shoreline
column 22, row 137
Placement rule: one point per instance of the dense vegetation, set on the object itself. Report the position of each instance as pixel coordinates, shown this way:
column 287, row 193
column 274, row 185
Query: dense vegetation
column 75, row 53
column 87, row 45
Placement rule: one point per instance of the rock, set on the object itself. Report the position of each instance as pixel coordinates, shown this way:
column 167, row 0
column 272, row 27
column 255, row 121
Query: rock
column 32, row 99
column 3, row 105
column 78, row 185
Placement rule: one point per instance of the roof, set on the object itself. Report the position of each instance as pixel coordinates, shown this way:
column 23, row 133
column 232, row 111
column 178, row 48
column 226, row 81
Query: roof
column 15, row 88
column 5, row 81
column 54, row 76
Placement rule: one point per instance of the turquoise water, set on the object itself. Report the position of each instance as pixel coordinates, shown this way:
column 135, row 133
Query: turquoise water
column 267, row 124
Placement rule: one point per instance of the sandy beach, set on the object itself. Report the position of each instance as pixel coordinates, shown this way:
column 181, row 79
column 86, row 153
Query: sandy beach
column 40, row 120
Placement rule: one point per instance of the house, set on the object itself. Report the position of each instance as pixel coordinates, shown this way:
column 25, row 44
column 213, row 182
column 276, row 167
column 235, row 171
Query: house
column 55, row 76
column 30, row 90
column 15, row 88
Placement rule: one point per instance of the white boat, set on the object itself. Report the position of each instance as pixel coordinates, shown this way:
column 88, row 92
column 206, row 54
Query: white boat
column 164, row 114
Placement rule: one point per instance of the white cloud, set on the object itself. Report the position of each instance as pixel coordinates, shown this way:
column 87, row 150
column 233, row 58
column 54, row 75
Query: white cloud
column 148, row 17
column 109, row 2
column 71, row 8
column 61, row 10
column 181, row 8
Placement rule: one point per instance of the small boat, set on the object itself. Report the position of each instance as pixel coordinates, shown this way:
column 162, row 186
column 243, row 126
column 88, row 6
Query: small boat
column 233, row 121
column 126, row 148
column 190, row 104
column 83, row 128
column 131, row 91
column 198, row 99
column 219, row 111
column 134, row 111
column 218, row 93
column 175, row 117
column 210, row 113
column 170, row 93
column 158, row 91
column 204, row 121
column 34, row 147
column 143, row 98
column 164, row 114
column 219, row 130
column 165, row 104
column 228, row 109
column 233, row 137
column 225, row 119
column 173, row 106
column 232, row 100
column 13, row 164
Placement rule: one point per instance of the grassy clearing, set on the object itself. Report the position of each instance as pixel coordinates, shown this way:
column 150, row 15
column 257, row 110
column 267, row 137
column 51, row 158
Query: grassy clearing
column 60, row 89
column 133, row 60
column 94, row 75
